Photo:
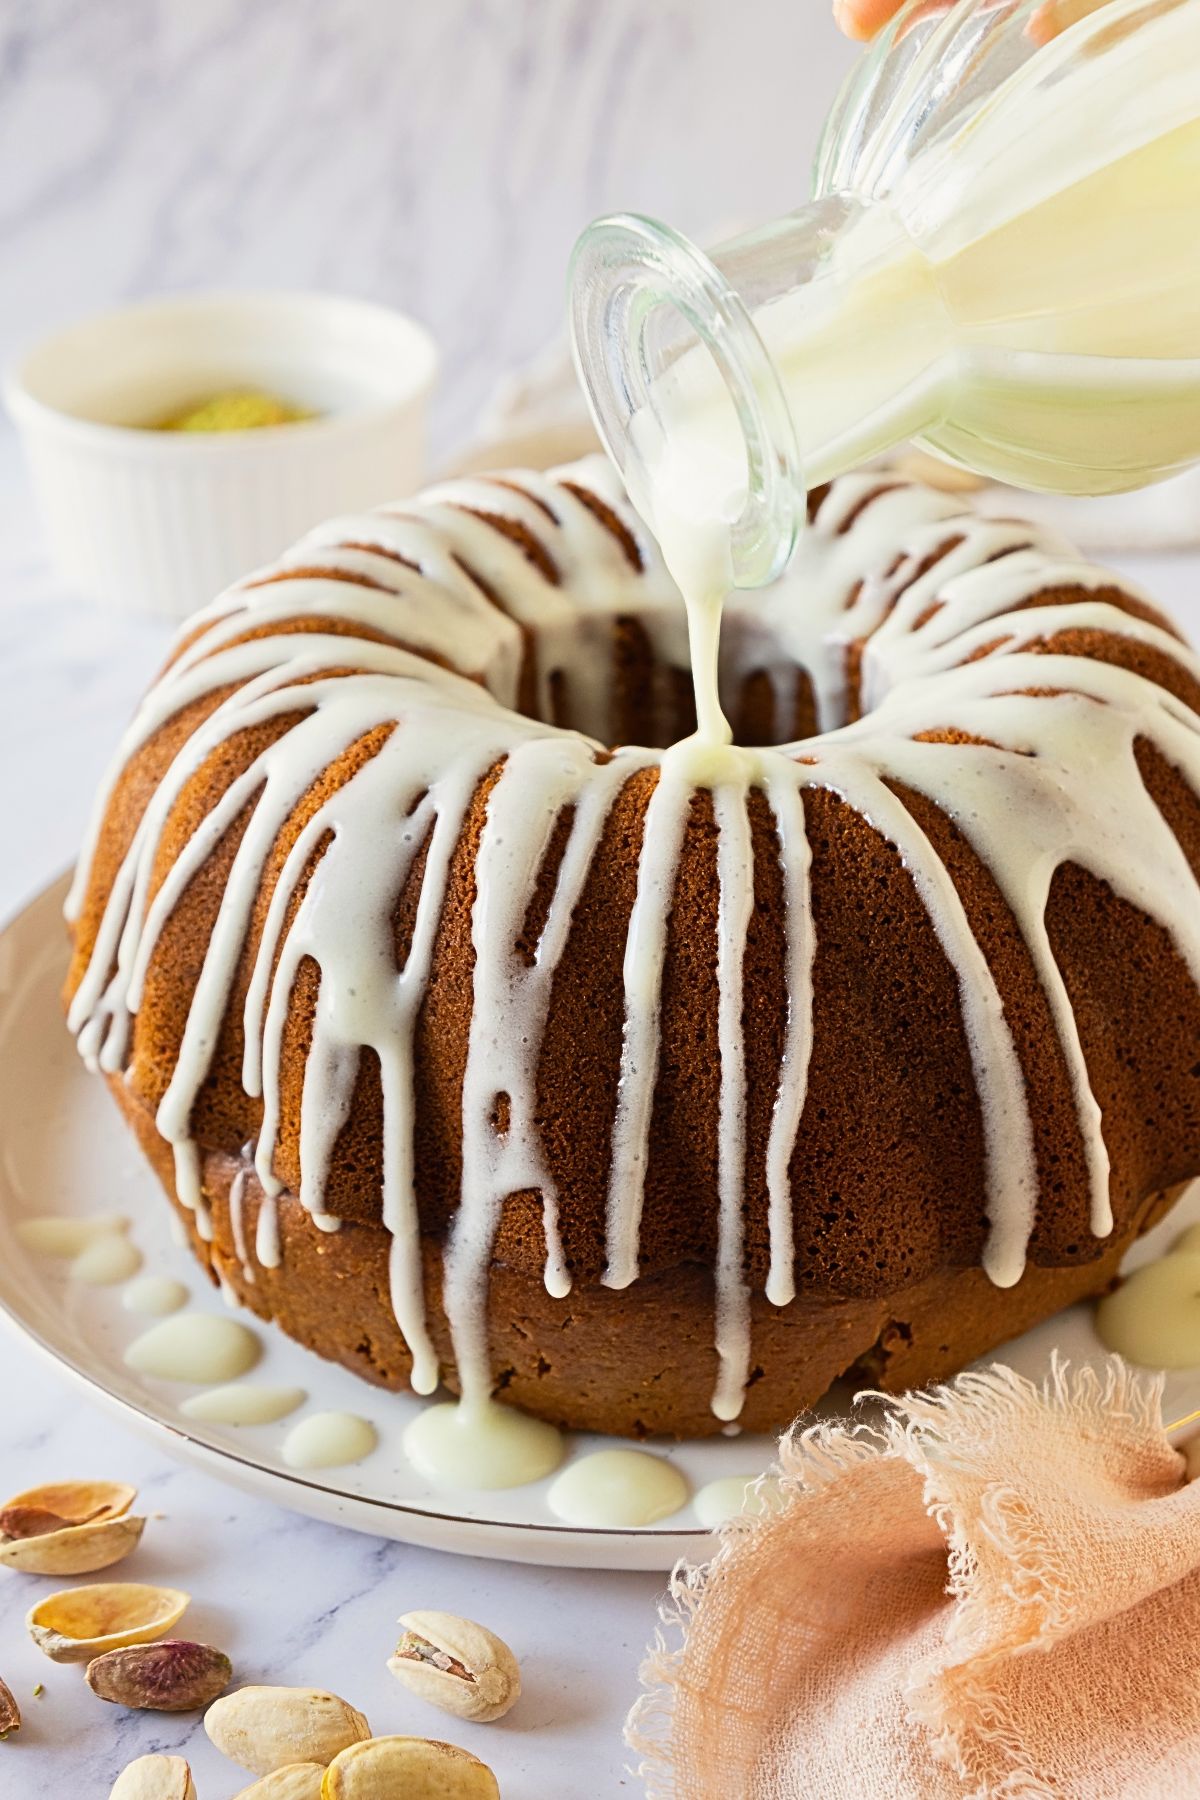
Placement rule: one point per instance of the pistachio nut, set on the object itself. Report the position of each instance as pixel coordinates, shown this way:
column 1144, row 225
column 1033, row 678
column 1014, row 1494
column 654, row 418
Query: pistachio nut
column 457, row 1665
column 298, row 1781
column 171, row 1676
column 10, row 1712
column 417, row 1768
column 77, row 1624
column 154, row 1778
column 266, row 1728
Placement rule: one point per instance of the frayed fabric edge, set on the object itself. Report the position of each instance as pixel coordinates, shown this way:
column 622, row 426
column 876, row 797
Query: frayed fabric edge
column 958, row 1681
column 912, row 1430
column 810, row 1458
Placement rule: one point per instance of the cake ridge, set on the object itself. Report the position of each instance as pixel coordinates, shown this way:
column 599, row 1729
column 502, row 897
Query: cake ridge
column 1043, row 772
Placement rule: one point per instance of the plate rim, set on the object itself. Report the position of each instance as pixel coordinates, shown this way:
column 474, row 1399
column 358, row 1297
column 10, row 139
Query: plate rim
column 642, row 1535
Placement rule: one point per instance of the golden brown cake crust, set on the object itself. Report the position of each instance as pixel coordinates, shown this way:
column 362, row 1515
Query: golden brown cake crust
column 637, row 1362
column 890, row 1189
column 887, row 1174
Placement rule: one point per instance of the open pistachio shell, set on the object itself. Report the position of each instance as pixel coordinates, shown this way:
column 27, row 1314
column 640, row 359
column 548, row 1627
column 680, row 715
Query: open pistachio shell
column 299, row 1781
column 68, row 1528
column 29, row 1521
column 73, row 1549
column 457, row 1665
column 78, row 1624
column 76, row 1502
column 418, row 1768
column 154, row 1778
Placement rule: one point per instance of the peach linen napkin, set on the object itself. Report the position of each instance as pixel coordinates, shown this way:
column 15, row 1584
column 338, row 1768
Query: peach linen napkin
column 994, row 1592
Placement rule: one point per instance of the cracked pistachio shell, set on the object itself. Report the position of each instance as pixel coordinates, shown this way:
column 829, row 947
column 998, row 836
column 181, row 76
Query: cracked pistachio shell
column 28, row 1521
column 173, row 1675
column 77, row 1624
column 299, row 1781
column 266, row 1728
column 74, row 1549
column 10, row 1712
column 456, row 1665
column 77, row 1502
column 155, row 1778
column 388, row 1768
column 68, row 1528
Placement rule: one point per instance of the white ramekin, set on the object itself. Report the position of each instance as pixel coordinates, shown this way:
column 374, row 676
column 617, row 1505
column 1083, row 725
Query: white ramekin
column 161, row 521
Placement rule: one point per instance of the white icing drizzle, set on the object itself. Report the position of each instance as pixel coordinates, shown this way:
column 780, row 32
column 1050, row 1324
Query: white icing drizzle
column 58, row 1235
column 795, row 863
column 237, row 1226
column 539, row 780
column 477, row 1443
column 243, row 1403
column 194, row 1347
column 645, row 952
column 731, row 1496
column 735, row 875
column 267, row 1252
column 928, row 603
column 999, row 1082
column 188, row 1186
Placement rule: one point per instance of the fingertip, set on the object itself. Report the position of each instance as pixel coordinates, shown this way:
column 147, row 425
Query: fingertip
column 861, row 19
column 847, row 19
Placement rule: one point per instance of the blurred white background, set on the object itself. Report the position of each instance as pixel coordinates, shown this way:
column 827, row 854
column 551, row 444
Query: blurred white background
column 441, row 155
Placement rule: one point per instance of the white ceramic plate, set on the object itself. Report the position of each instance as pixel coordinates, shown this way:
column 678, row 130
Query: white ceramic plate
column 64, row 1150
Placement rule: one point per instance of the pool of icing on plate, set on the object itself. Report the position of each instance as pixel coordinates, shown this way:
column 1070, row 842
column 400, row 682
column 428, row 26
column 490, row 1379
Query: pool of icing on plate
column 194, row 1347
column 481, row 1447
column 154, row 1296
column 618, row 1488
column 1153, row 1317
column 328, row 1440
column 243, row 1403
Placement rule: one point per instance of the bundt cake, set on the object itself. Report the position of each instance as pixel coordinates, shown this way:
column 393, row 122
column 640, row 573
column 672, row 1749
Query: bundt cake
column 656, row 1088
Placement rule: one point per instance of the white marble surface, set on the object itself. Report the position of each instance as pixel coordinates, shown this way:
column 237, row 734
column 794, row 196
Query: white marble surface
column 440, row 157
column 291, row 1600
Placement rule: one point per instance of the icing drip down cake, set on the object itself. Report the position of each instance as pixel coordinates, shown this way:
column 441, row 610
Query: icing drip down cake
column 480, row 1038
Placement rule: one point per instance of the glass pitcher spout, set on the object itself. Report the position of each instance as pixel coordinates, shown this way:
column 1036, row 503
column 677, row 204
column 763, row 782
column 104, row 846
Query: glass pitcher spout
column 726, row 384
column 1001, row 261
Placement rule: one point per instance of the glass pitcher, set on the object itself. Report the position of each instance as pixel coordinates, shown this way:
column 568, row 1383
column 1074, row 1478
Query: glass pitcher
column 1001, row 260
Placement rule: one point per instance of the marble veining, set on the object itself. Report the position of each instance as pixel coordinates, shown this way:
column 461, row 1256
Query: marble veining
column 415, row 154
column 336, row 1627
